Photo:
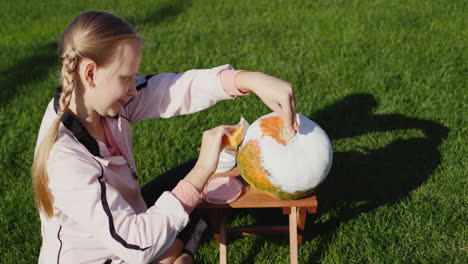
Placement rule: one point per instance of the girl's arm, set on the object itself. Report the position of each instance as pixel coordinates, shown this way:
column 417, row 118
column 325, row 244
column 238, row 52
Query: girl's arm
column 171, row 94
column 82, row 196
column 275, row 93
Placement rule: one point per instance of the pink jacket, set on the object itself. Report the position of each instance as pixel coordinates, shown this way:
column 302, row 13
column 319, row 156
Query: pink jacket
column 100, row 214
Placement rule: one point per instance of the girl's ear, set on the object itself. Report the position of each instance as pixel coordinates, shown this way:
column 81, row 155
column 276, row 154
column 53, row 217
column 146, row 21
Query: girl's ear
column 88, row 73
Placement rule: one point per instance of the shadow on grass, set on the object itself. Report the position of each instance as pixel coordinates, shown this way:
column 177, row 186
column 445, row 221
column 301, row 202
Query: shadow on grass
column 166, row 13
column 26, row 71
column 35, row 68
column 359, row 183
column 381, row 175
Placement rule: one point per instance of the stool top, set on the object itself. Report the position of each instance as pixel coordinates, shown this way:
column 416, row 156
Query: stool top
column 252, row 198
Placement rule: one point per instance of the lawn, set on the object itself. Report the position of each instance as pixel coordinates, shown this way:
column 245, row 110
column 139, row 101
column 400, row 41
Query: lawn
column 387, row 80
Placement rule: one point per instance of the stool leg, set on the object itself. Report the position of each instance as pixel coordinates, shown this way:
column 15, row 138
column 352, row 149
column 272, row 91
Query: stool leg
column 293, row 235
column 223, row 241
column 215, row 216
column 301, row 221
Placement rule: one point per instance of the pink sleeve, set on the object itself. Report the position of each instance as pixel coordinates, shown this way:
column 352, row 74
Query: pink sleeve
column 187, row 194
column 171, row 94
column 228, row 82
column 89, row 202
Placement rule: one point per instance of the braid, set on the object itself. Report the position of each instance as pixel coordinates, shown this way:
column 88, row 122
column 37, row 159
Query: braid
column 43, row 197
column 69, row 62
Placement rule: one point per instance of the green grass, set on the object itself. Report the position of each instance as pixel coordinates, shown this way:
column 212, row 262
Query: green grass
column 386, row 79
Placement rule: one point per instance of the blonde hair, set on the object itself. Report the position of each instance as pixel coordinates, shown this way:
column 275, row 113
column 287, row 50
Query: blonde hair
column 93, row 35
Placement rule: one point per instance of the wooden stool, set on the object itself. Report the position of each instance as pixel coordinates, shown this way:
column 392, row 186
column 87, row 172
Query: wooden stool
column 251, row 198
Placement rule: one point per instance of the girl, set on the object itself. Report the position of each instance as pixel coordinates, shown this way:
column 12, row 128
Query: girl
column 91, row 207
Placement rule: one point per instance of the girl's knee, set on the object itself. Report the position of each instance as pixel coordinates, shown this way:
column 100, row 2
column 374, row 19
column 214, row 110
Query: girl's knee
column 184, row 259
column 171, row 254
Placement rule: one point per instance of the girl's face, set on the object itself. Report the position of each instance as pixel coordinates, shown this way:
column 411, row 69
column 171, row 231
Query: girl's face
column 115, row 83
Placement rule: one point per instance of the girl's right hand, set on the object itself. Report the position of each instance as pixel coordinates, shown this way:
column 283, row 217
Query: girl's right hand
column 208, row 159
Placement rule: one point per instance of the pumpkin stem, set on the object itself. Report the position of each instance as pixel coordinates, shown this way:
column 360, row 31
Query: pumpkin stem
column 286, row 135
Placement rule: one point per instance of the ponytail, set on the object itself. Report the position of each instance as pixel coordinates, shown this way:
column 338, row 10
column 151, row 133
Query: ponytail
column 40, row 178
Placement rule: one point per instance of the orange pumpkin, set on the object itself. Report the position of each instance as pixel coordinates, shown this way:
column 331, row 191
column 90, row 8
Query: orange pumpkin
column 281, row 164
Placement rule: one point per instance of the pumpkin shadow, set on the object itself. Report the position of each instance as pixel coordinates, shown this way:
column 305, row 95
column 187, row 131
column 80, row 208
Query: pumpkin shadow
column 361, row 181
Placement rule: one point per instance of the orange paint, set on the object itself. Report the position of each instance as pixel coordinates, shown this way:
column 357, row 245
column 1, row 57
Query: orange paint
column 251, row 168
column 272, row 127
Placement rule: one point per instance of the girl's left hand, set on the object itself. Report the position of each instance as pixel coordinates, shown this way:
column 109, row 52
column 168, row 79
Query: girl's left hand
column 275, row 93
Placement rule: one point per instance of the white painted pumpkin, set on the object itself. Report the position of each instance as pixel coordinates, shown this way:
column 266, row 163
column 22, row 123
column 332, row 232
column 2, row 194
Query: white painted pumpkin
column 283, row 165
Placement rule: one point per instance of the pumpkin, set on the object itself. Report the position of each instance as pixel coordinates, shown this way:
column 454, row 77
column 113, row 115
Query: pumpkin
column 236, row 135
column 281, row 164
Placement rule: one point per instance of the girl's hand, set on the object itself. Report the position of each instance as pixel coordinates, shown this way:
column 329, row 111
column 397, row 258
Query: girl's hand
column 207, row 161
column 275, row 93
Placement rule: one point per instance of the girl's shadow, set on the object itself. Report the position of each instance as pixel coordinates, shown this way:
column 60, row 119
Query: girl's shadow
column 361, row 181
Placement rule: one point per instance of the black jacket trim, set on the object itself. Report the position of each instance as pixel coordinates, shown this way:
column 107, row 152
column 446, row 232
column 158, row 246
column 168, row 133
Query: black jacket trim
column 75, row 126
column 128, row 102
column 145, row 83
column 105, row 205
column 140, row 86
column 60, row 249
column 124, row 117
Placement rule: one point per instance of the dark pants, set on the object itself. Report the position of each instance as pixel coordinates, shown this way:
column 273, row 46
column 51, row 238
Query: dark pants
column 166, row 182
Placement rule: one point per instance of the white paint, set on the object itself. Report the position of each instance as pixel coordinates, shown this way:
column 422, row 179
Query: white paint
column 301, row 165
column 226, row 162
column 245, row 124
